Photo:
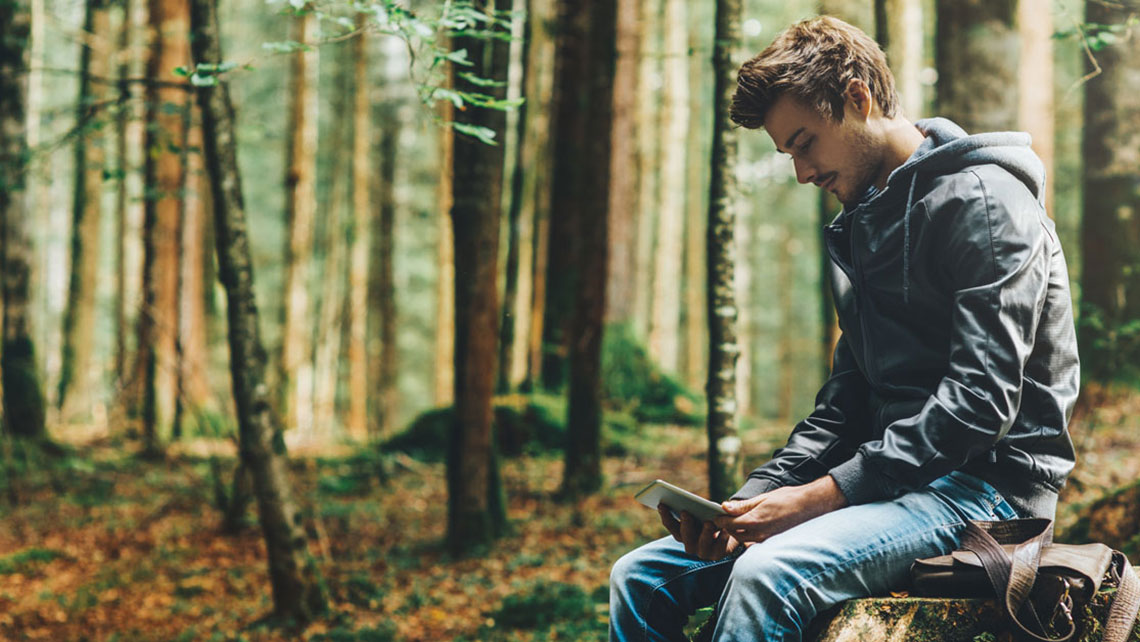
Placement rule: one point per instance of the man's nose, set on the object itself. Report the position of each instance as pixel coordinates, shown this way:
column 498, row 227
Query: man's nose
column 804, row 173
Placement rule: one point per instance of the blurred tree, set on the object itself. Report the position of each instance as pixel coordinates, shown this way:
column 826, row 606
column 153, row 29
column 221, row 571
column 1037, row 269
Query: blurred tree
column 665, row 315
column 444, row 352
column 295, row 362
column 76, row 383
column 193, row 389
column 976, row 52
column 624, row 166
column 1110, row 236
column 157, row 365
column 358, row 245
column 382, row 351
column 23, row 395
column 476, row 506
column 127, row 134
column 1036, row 113
column 583, row 117
column 899, row 31
column 650, row 122
column 724, row 459
column 298, row 593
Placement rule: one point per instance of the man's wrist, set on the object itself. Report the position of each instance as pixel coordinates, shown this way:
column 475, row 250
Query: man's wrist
column 825, row 492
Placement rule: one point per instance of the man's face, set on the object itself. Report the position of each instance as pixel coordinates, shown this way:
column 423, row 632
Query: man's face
column 841, row 157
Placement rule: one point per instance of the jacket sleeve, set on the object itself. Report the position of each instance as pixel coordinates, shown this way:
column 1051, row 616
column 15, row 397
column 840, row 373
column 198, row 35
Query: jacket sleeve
column 994, row 257
column 825, row 438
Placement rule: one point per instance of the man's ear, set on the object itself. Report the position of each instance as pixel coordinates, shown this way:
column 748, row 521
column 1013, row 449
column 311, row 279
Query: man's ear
column 857, row 96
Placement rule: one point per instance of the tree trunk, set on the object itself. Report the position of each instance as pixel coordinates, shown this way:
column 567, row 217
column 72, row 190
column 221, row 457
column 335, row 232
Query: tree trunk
column 584, row 82
column 664, row 329
column 297, row 589
column 194, row 373
column 1036, row 114
column 625, row 167
column 123, row 139
column 295, row 365
column 358, row 384
column 702, row 83
column 383, row 356
column 899, row 30
column 1110, row 236
column 76, row 384
column 23, row 394
column 724, row 444
column 476, row 506
column 649, row 170
column 158, row 321
column 445, row 289
column 976, row 49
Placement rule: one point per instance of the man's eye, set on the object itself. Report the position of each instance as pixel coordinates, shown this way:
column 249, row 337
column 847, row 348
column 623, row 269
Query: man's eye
column 806, row 144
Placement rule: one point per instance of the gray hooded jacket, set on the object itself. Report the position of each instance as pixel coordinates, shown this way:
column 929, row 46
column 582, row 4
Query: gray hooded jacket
column 958, row 349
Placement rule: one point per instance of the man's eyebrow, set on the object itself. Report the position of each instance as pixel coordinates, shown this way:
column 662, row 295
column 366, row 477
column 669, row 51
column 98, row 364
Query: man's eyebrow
column 792, row 139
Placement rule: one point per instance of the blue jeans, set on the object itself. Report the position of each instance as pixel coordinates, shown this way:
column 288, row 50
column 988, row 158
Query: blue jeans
column 772, row 590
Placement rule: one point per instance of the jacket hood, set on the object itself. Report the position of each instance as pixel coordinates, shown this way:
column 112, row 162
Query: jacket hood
column 947, row 149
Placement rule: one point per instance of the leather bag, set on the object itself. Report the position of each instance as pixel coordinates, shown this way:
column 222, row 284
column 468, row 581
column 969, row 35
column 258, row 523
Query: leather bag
column 1038, row 584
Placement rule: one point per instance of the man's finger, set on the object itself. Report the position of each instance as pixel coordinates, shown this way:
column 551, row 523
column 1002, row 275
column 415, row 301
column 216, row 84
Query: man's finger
column 669, row 522
column 706, row 544
column 690, row 533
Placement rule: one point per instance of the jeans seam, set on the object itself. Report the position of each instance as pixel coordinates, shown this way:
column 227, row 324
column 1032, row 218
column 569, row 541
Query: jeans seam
column 692, row 569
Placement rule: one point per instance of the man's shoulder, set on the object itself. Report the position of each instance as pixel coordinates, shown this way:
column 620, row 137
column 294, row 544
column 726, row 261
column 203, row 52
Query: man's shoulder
column 985, row 188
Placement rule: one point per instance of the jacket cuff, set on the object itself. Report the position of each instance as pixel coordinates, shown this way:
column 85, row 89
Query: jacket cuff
column 754, row 486
column 858, row 482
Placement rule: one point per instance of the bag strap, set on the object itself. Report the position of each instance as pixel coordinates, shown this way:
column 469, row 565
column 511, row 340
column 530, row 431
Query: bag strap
column 1126, row 602
column 1012, row 576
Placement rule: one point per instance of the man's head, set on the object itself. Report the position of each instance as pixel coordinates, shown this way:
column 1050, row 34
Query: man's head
column 823, row 92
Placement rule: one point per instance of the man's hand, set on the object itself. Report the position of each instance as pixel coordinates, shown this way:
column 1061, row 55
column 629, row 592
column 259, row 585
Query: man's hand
column 767, row 514
column 701, row 539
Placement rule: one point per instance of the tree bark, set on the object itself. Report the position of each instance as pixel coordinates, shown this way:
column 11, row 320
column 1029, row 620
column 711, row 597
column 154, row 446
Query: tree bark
column 445, row 288
column 648, row 176
column 724, row 445
column 1110, row 234
column 476, row 506
column 977, row 53
column 665, row 319
column 295, row 364
column 297, row 589
column 383, row 356
column 899, row 30
column 625, row 167
column 358, row 384
column 194, row 374
column 1036, row 114
column 584, row 82
column 158, row 321
column 23, row 395
column 76, row 384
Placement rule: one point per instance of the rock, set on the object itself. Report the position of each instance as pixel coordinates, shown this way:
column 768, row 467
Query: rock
column 912, row 619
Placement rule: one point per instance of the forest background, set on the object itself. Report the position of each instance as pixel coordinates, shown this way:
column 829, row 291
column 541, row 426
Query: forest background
column 438, row 285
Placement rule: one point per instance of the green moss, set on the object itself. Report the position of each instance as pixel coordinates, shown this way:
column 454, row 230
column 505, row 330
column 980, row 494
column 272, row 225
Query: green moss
column 631, row 381
column 28, row 560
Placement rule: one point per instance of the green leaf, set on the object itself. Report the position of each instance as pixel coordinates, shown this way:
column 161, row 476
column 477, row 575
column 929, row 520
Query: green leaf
column 479, row 81
column 199, row 80
column 484, row 134
column 459, row 57
column 441, row 93
column 182, row 72
column 283, row 47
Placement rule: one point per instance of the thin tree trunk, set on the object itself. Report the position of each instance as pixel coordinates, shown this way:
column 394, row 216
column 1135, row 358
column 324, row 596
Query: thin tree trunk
column 445, row 253
column 383, row 356
column 158, row 322
column 297, row 588
column 584, row 76
column 1036, row 114
column 625, row 167
column 724, row 444
column 649, row 170
column 358, row 384
column 476, row 506
column 1110, row 234
column 23, row 393
column 702, row 82
column 295, row 383
column 976, row 49
column 664, row 330
column 122, row 140
column 194, row 363
column 76, row 384
column 899, row 30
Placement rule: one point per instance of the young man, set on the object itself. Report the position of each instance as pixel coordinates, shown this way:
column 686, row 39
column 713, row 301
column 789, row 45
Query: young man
column 952, row 383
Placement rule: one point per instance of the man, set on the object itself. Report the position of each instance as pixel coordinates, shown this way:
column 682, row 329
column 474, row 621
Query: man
column 952, row 383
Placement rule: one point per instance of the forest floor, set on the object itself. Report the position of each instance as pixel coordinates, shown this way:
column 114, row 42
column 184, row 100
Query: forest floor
column 105, row 545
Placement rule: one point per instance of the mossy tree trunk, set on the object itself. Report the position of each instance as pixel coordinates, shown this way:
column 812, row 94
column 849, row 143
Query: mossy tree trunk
column 1110, row 235
column 724, row 445
column 584, row 85
column 75, row 380
column 476, row 506
column 298, row 593
column 23, row 394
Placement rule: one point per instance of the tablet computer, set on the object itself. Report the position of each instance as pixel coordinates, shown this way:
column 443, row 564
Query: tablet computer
column 679, row 499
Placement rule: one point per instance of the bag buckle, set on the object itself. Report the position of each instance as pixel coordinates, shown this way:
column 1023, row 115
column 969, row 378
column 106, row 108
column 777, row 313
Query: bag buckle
column 1064, row 606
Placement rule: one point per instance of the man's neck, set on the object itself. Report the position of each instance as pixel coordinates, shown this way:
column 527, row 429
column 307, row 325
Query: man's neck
column 901, row 139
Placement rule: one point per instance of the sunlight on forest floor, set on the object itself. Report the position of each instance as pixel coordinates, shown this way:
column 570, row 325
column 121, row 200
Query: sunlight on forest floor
column 106, row 546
